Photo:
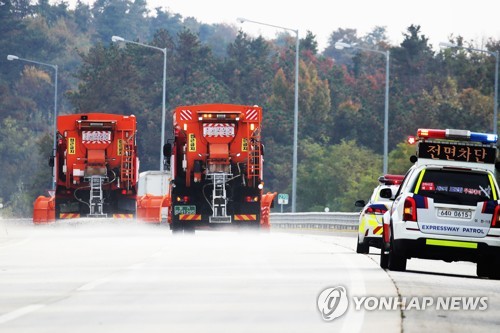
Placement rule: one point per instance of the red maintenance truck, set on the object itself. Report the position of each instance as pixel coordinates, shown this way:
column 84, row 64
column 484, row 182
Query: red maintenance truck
column 216, row 161
column 95, row 166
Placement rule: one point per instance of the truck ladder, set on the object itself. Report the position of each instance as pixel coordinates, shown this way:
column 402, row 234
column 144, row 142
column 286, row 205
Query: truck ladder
column 96, row 198
column 219, row 199
column 254, row 154
column 127, row 162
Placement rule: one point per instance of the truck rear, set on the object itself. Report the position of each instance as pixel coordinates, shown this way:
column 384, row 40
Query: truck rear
column 216, row 161
column 95, row 166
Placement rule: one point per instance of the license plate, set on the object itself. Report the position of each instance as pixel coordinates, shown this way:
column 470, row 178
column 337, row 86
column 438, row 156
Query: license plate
column 184, row 210
column 456, row 214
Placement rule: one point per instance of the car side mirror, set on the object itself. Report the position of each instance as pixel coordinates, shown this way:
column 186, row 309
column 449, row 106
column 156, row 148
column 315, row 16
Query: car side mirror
column 51, row 161
column 386, row 193
column 167, row 150
column 359, row 203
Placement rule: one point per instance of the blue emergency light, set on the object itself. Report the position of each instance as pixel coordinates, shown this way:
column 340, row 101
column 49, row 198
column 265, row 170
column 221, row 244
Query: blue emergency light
column 483, row 137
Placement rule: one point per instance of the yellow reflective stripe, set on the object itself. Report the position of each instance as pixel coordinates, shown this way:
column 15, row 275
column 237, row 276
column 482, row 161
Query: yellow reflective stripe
column 419, row 181
column 372, row 221
column 493, row 187
column 439, row 242
column 362, row 225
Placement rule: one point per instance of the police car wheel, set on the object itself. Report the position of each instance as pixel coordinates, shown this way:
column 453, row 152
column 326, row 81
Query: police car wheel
column 384, row 258
column 395, row 261
column 362, row 247
column 488, row 267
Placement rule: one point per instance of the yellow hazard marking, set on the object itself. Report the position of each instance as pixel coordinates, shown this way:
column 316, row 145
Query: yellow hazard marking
column 192, row 142
column 439, row 242
column 189, row 217
column 71, row 146
column 419, row 181
column 245, row 217
column 69, row 215
column 244, row 144
column 120, row 147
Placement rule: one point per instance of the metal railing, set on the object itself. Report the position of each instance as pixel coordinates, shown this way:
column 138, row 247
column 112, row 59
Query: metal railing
column 322, row 221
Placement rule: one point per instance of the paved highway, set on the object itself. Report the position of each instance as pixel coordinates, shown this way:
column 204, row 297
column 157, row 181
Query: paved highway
column 83, row 276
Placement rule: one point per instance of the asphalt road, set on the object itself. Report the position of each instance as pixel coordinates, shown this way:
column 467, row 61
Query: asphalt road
column 127, row 277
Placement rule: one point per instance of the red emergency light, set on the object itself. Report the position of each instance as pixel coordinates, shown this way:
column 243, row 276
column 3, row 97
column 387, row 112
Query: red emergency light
column 391, row 179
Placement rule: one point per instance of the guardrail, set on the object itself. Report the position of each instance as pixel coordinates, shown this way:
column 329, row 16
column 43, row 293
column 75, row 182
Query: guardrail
column 323, row 221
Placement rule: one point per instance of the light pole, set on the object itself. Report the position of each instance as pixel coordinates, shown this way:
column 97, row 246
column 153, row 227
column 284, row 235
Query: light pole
column 340, row 46
column 495, row 98
column 54, row 146
column 118, row 39
column 295, row 109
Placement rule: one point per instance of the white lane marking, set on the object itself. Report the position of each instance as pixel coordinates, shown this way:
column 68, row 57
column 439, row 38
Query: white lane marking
column 353, row 321
column 98, row 282
column 20, row 312
column 93, row 284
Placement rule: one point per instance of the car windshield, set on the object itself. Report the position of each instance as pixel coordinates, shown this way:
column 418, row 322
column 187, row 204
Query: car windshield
column 455, row 187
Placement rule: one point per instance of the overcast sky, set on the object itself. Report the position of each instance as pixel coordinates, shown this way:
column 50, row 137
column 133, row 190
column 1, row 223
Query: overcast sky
column 472, row 19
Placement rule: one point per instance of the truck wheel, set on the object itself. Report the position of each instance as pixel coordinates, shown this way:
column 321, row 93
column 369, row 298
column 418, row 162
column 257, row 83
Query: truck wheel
column 362, row 247
column 396, row 261
column 177, row 227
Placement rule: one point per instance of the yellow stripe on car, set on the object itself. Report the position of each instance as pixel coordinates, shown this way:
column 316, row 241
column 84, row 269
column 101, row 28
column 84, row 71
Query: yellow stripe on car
column 440, row 242
column 419, row 181
column 492, row 184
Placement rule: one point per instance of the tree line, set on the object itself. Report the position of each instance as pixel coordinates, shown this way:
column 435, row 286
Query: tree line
column 341, row 92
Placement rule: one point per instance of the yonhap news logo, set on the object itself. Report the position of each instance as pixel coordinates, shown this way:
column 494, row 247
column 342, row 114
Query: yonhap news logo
column 333, row 302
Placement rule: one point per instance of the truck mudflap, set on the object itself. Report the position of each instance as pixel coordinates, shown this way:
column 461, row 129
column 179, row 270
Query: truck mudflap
column 44, row 210
column 266, row 203
column 150, row 208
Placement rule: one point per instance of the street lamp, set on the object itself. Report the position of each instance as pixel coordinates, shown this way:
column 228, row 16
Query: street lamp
column 11, row 57
column 295, row 109
column 118, row 39
column 340, row 46
column 495, row 98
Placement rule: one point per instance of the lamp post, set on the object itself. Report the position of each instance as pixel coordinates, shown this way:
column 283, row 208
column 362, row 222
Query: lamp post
column 118, row 39
column 340, row 46
column 295, row 109
column 495, row 98
column 54, row 146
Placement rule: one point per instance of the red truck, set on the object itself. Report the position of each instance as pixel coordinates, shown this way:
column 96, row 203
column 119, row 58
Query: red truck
column 96, row 168
column 216, row 162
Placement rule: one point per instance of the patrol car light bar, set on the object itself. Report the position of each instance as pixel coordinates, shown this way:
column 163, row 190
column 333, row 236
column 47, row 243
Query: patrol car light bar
column 454, row 134
column 391, row 179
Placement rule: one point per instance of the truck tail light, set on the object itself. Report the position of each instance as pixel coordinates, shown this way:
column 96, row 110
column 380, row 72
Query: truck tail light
column 251, row 199
column 410, row 210
column 183, row 199
column 495, row 221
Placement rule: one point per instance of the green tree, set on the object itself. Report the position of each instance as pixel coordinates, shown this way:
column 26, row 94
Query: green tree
column 335, row 176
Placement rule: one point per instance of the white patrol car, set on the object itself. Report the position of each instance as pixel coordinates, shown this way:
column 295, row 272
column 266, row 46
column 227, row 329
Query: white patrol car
column 370, row 217
column 448, row 205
